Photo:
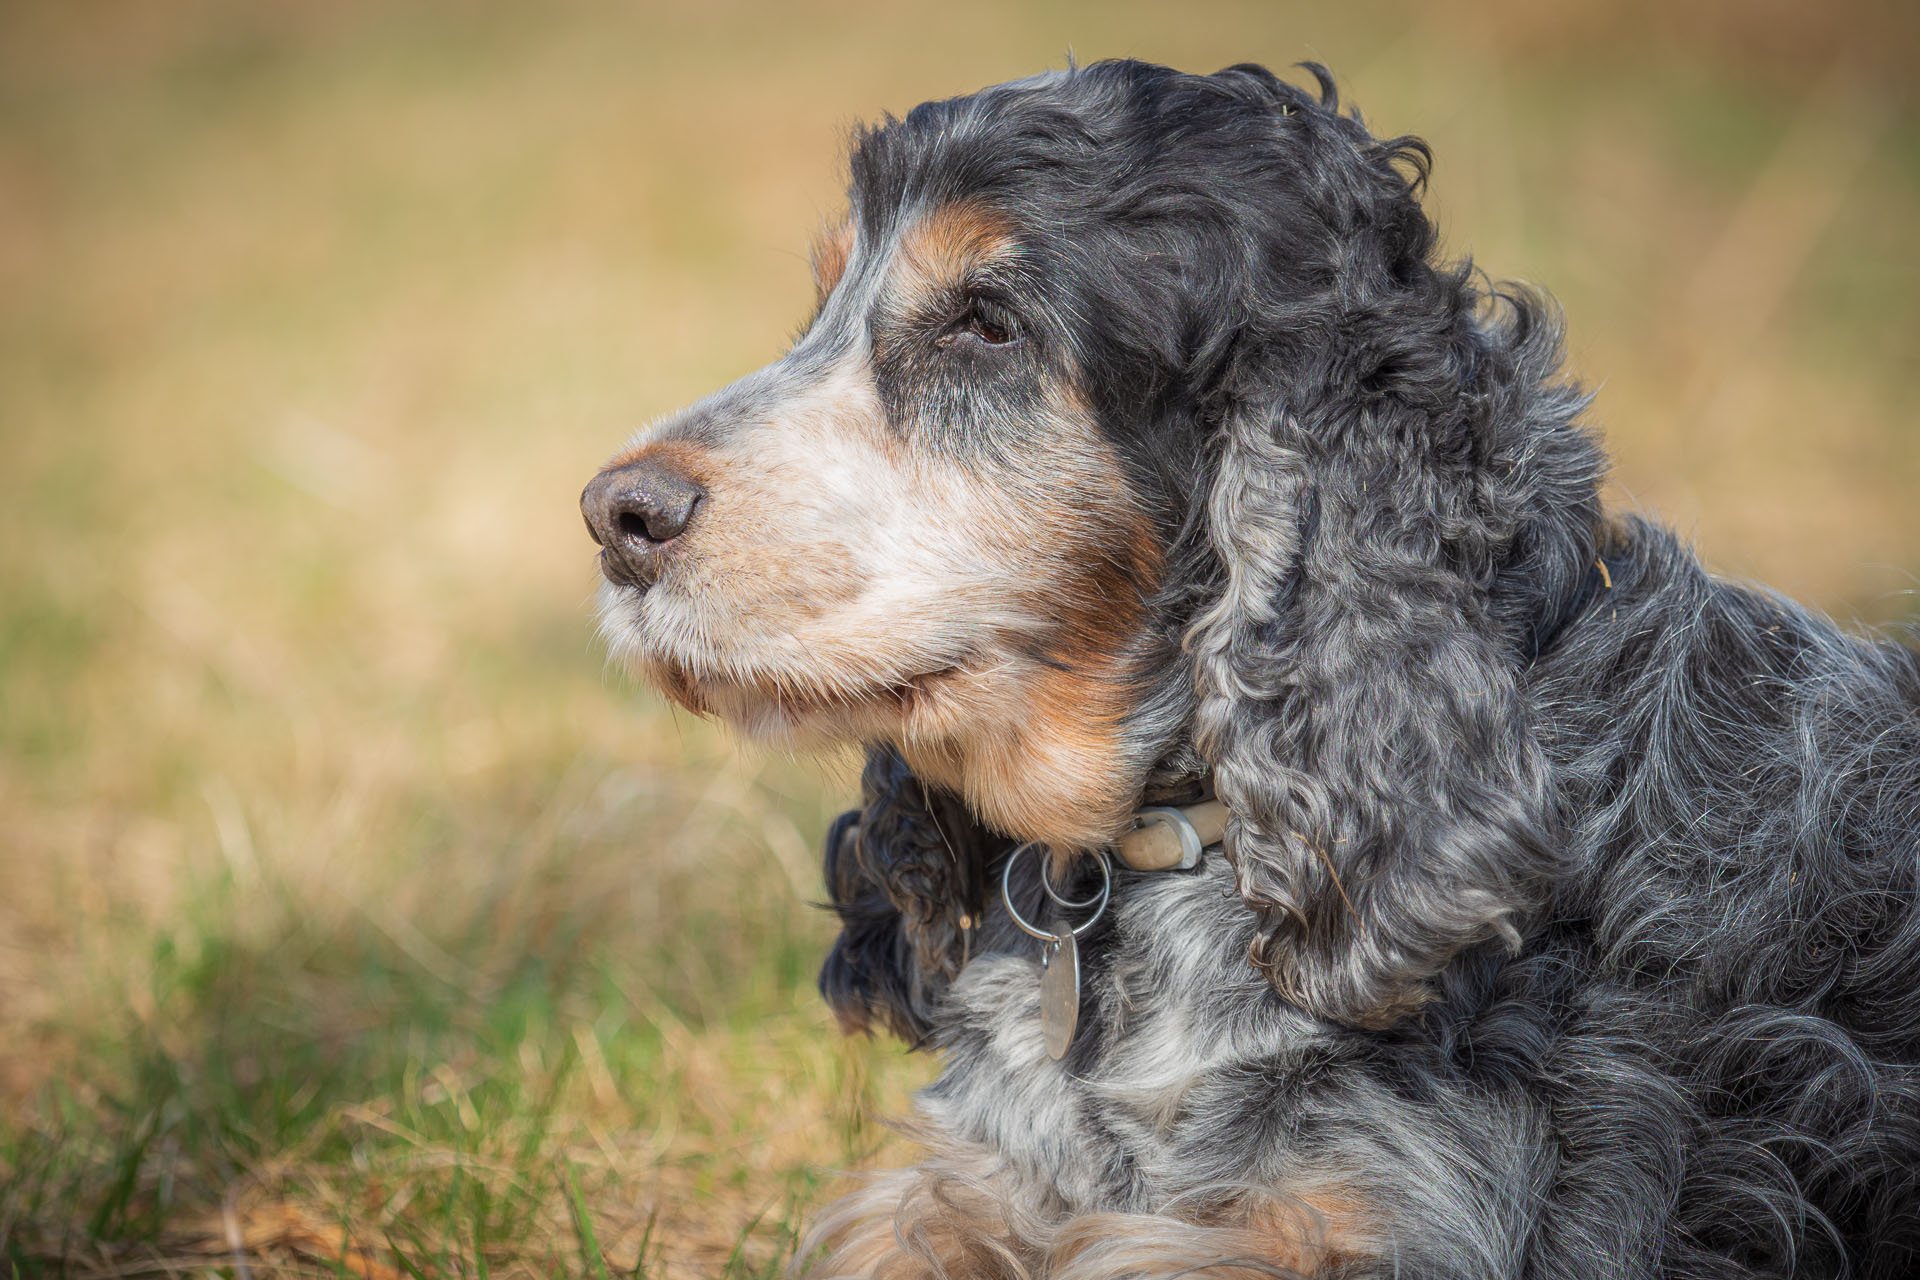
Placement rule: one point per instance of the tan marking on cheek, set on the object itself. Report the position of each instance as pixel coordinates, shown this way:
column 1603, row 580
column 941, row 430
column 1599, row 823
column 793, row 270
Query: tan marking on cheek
column 831, row 250
column 941, row 249
column 1057, row 767
column 1040, row 746
column 1041, row 754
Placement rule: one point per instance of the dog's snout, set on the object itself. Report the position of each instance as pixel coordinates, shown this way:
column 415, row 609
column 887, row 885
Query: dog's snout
column 635, row 510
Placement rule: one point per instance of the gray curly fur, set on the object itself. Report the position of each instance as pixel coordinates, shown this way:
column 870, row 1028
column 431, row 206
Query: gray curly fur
column 1357, row 697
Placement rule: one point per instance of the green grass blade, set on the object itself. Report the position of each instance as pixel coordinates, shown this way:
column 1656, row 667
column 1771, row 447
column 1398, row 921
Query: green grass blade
column 583, row 1224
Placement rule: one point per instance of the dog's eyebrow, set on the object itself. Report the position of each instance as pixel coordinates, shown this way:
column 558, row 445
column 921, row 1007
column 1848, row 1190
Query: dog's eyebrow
column 831, row 249
column 952, row 240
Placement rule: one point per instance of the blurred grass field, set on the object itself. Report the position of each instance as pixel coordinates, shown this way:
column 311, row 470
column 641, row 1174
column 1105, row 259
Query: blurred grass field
column 354, row 920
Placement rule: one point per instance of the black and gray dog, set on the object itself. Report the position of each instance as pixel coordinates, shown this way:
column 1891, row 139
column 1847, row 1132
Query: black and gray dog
column 1141, row 453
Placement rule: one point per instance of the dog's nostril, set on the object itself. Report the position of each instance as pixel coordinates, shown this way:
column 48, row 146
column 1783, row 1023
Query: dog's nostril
column 657, row 512
column 633, row 525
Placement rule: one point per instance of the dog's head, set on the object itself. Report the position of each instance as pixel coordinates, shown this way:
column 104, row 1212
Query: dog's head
column 1137, row 434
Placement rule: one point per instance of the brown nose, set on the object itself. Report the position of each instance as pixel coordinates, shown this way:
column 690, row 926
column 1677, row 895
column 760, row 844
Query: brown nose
column 634, row 511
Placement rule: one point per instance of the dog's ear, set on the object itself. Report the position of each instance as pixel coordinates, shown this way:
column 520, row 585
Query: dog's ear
column 904, row 873
column 1389, row 458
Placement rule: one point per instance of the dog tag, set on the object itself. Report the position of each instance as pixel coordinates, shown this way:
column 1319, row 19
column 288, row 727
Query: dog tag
column 1059, row 993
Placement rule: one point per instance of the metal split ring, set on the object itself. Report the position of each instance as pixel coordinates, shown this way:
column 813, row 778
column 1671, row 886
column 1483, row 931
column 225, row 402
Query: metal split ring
column 1098, row 901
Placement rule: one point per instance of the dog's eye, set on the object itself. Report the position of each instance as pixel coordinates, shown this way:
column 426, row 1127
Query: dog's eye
column 988, row 323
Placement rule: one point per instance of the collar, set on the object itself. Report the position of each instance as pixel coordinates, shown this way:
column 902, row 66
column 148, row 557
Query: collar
column 1165, row 838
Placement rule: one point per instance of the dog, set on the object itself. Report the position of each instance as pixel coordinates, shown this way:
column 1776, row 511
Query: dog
column 1142, row 457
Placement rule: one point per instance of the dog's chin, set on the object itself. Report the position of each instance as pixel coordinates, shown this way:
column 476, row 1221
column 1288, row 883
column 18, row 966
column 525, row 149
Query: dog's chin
column 796, row 714
column 920, row 691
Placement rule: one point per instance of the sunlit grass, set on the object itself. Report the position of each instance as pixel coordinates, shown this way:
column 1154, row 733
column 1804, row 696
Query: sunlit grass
column 342, row 1094
column 352, row 919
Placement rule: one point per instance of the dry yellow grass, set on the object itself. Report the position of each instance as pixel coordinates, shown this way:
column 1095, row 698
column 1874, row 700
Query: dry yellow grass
column 350, row 912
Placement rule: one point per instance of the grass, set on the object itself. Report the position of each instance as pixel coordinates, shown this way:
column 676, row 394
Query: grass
column 488, row 1087
column 355, row 921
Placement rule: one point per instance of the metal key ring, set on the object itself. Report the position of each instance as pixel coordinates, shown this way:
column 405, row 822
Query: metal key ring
column 1094, row 900
column 1098, row 902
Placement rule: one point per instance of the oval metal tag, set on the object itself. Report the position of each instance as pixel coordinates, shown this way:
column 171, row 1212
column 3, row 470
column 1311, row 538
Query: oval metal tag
column 1059, row 994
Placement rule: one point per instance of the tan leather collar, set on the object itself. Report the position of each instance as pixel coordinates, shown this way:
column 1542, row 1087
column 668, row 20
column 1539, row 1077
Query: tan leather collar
column 1168, row 839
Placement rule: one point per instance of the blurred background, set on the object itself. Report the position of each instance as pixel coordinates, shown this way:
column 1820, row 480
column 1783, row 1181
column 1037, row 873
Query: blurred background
column 354, row 919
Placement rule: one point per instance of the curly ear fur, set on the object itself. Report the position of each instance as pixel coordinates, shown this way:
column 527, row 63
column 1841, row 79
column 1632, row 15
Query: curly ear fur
column 1396, row 457
column 904, row 874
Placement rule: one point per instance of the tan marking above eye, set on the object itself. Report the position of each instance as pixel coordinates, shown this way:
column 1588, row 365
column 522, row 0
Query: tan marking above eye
column 942, row 248
column 831, row 249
